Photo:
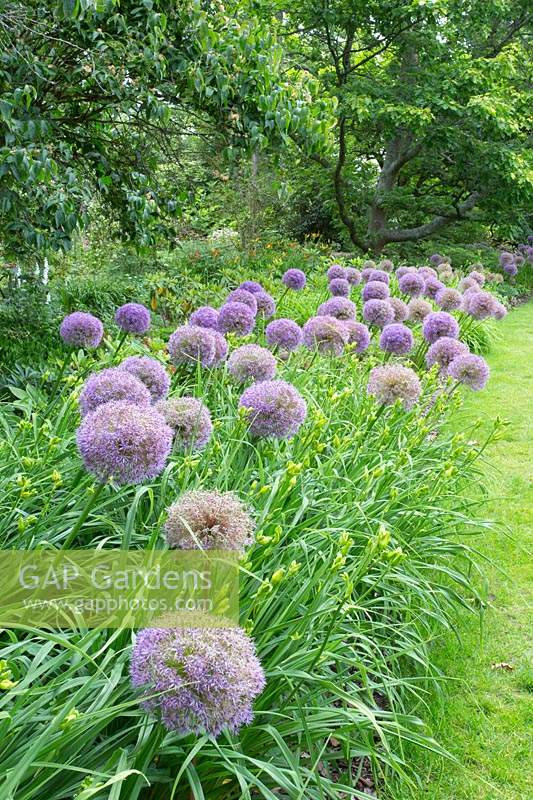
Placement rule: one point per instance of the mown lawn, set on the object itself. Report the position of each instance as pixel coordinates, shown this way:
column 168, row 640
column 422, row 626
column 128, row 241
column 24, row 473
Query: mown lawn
column 485, row 718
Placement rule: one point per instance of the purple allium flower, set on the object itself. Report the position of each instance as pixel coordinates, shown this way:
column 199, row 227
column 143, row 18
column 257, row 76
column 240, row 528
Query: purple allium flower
column 471, row 370
column 81, row 330
column 510, row 268
column 499, row 311
column 190, row 343
column 506, row 258
column 397, row 339
column 412, row 284
column 150, row 372
column 294, row 279
column 479, row 305
column 236, row 318
column 336, row 271
column 197, row 680
column 338, row 287
column 369, row 264
column 427, row 272
column 325, row 333
column 436, row 259
column 266, row 306
column 209, row 521
column 386, row 265
column 378, row 312
column 133, row 318
column 400, row 309
column 380, row 275
column 519, row 259
column 205, row 317
column 284, row 333
column 353, row 276
column 112, row 384
column 358, row 334
column 275, row 409
column 401, row 271
column 530, row 239
column 339, row 307
column 438, row 324
column 252, row 362
column 190, row 421
column 366, row 273
column 123, row 441
column 467, row 283
column 444, row 350
column 393, row 382
column 221, row 348
column 375, row 290
column 242, row 296
column 478, row 277
column 449, row 299
column 418, row 309
column 252, row 286
column 432, row 287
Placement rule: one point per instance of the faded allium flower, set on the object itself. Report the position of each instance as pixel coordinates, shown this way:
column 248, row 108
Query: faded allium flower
column 412, row 284
column 112, row 384
column 369, row 264
column 275, row 409
column 397, row 339
column 339, row 307
column 380, row 275
column 242, row 296
column 427, row 272
column 123, row 441
column 252, row 286
column 400, row 309
column 190, row 344
column 266, row 306
column 467, row 283
column 133, row 318
column 393, row 382
column 353, row 276
column 201, row 520
column 479, row 305
column 325, row 333
column 438, row 324
column 251, row 362
column 197, row 680
column 494, row 277
column 358, row 334
column 478, row 277
column 150, row 372
column 446, row 276
column 339, row 287
column 190, row 421
column 205, row 317
column 378, row 313
column 81, row 330
column 336, row 271
column 284, row 333
column 236, row 318
column 444, row 350
column 432, row 287
column 449, row 299
column 386, row 265
column 294, row 279
column 375, row 290
column 418, row 309
column 519, row 259
column 471, row 370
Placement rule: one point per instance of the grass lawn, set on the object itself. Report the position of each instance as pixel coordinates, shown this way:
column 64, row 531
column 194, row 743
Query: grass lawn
column 485, row 718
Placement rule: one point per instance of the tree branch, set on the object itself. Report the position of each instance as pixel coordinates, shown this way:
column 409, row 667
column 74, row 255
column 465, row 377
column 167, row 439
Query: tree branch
column 422, row 231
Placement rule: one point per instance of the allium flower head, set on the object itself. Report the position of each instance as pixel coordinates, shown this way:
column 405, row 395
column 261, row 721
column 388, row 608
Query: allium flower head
column 378, row 312
column 370, row 264
column 81, row 330
column 499, row 311
column 221, row 348
column 353, row 276
column 476, row 276
column 393, row 382
column 190, row 421
column 243, row 296
column 510, row 268
column 444, row 350
column 519, row 259
column 150, row 372
column 380, row 275
column 339, row 307
column 432, row 287
column 275, row 409
column 506, row 258
column 427, row 272
column 252, row 362
column 209, row 521
column 386, row 265
column 266, row 305
column 397, row 339
column 336, row 271
column 412, row 284
column 436, row 259
column 190, row 344
column 236, row 318
column 479, row 305
column 358, row 334
column 112, row 384
column 325, row 333
column 197, row 680
column 126, row 442
column 205, row 317
column 449, row 299
column 418, row 309
column 284, row 333
column 467, row 283
column 133, row 318
column 471, row 370
column 401, row 271
column 339, row 287
column 400, row 309
column 375, row 290
column 251, row 286
column 294, row 279
column 366, row 273
column 438, row 324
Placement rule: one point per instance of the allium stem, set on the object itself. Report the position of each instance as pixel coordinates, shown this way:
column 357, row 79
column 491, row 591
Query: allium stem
column 119, row 345
column 282, row 298
column 83, row 516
